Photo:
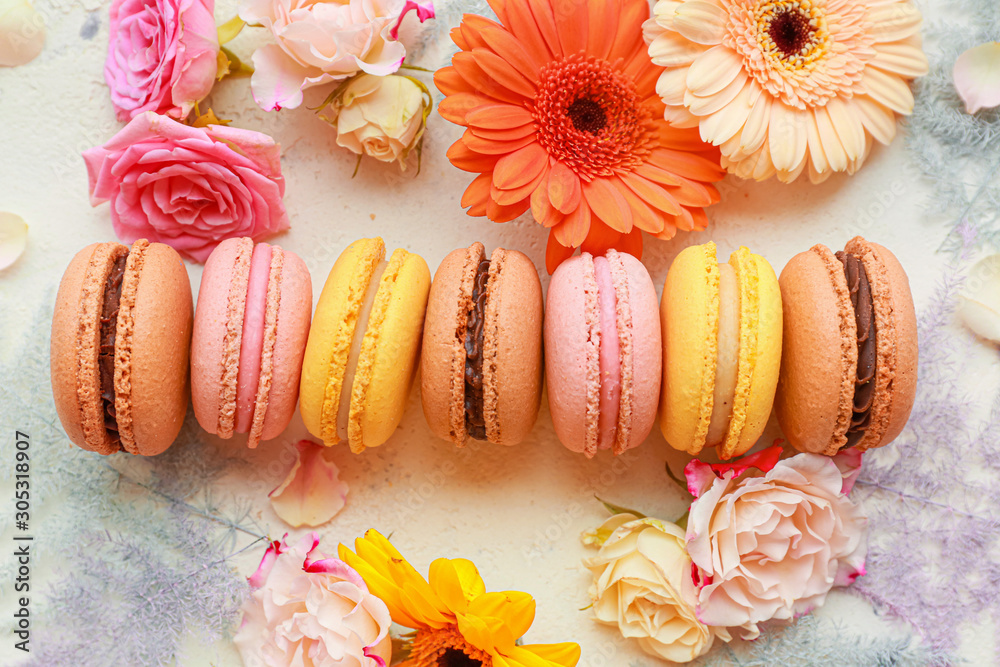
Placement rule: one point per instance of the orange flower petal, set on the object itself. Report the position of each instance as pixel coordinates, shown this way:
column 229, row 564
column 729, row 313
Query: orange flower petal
column 564, row 188
column 512, row 51
column 512, row 134
column 450, row 82
column 456, row 107
column 608, row 204
column 645, row 217
column 657, row 174
column 651, row 193
column 515, row 195
column 499, row 213
column 472, row 26
column 499, row 8
column 542, row 12
column 469, row 160
column 522, row 25
column 604, row 14
column 491, row 147
column 573, row 229
column 478, row 190
column 502, row 72
column 600, row 238
column 691, row 166
column 572, row 22
column 499, row 116
column 629, row 30
column 691, row 193
column 468, row 67
column 459, row 39
column 542, row 209
column 520, row 167
column 556, row 253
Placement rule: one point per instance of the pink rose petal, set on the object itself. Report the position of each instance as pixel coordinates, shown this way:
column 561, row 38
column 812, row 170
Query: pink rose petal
column 977, row 77
column 312, row 494
column 271, row 554
column 425, row 10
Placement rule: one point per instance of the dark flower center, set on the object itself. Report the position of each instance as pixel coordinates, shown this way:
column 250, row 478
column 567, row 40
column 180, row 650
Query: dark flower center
column 453, row 657
column 587, row 115
column 790, row 31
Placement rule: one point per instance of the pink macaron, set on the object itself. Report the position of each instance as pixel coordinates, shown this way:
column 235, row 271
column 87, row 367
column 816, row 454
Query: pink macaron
column 602, row 352
column 249, row 335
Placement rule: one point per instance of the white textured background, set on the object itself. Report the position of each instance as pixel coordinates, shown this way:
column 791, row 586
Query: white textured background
column 516, row 512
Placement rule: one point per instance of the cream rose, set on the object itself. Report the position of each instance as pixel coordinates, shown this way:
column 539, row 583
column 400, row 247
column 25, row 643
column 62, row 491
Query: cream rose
column 642, row 584
column 380, row 116
column 770, row 543
column 311, row 610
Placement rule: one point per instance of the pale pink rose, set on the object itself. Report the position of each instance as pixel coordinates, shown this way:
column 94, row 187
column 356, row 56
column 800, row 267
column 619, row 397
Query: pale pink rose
column 188, row 187
column 770, row 542
column 319, row 42
column 307, row 609
column 162, row 55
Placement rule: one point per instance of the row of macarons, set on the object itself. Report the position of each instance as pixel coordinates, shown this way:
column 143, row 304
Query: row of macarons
column 831, row 345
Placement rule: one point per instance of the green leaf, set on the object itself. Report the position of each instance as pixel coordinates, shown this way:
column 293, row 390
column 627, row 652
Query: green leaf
column 618, row 509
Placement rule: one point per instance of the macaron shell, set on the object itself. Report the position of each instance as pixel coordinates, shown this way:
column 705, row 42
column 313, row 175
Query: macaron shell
column 442, row 357
column 331, row 335
column 819, row 352
column 572, row 341
column 512, row 369
column 212, row 358
column 689, row 316
column 646, row 352
column 389, row 351
column 80, row 295
column 760, row 351
column 160, row 339
column 896, row 343
column 294, row 313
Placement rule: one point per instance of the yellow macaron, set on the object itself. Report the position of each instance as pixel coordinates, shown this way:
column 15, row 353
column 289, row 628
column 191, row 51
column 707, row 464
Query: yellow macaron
column 722, row 350
column 363, row 345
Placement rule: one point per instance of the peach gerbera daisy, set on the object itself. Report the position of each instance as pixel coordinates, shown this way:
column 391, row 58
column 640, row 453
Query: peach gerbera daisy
column 457, row 622
column 563, row 118
column 782, row 86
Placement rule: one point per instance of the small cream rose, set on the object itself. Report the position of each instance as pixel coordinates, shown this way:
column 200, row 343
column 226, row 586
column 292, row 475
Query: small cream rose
column 642, row 584
column 380, row 116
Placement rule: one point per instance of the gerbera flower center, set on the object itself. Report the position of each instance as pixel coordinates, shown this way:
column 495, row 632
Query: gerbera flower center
column 590, row 117
column 446, row 648
column 792, row 33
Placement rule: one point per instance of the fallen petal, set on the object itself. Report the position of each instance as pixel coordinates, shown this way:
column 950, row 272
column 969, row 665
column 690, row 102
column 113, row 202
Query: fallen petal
column 312, row 494
column 977, row 77
column 13, row 238
column 979, row 305
column 22, row 32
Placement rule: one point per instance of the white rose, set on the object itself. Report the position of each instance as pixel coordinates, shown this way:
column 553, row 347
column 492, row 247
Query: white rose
column 770, row 543
column 314, row 611
column 642, row 584
column 380, row 116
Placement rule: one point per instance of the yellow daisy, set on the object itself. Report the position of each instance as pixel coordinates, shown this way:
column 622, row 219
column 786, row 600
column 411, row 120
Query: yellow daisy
column 457, row 623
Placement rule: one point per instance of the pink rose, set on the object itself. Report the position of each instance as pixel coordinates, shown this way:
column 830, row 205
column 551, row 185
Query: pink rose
column 162, row 55
column 319, row 42
column 188, row 187
column 312, row 610
column 768, row 539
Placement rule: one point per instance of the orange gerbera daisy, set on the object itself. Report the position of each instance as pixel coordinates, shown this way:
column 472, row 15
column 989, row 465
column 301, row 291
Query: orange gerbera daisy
column 457, row 623
column 563, row 118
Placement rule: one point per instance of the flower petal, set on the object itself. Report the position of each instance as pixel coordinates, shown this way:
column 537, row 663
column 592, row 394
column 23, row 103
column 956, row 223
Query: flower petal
column 888, row 90
column 701, row 22
column 22, row 33
column 515, row 609
column 13, row 238
column 979, row 305
column 572, row 231
column 312, row 493
column 713, row 70
column 520, row 167
column 977, row 77
column 564, row 188
column 608, row 204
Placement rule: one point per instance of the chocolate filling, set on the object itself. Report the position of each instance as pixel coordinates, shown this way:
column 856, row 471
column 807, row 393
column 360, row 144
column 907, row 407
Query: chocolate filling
column 475, row 424
column 864, row 315
column 106, row 355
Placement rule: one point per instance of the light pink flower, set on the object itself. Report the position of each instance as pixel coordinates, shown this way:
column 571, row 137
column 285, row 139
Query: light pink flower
column 162, row 55
column 770, row 542
column 188, row 187
column 319, row 42
column 307, row 609
column 312, row 493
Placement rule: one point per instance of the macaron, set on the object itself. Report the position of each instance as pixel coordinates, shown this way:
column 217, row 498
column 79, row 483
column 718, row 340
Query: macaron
column 849, row 366
column 363, row 345
column 249, row 335
column 481, row 362
column 602, row 352
column 721, row 350
column 119, row 349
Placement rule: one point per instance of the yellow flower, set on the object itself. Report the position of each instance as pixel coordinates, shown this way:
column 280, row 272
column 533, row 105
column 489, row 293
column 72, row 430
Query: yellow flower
column 456, row 621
